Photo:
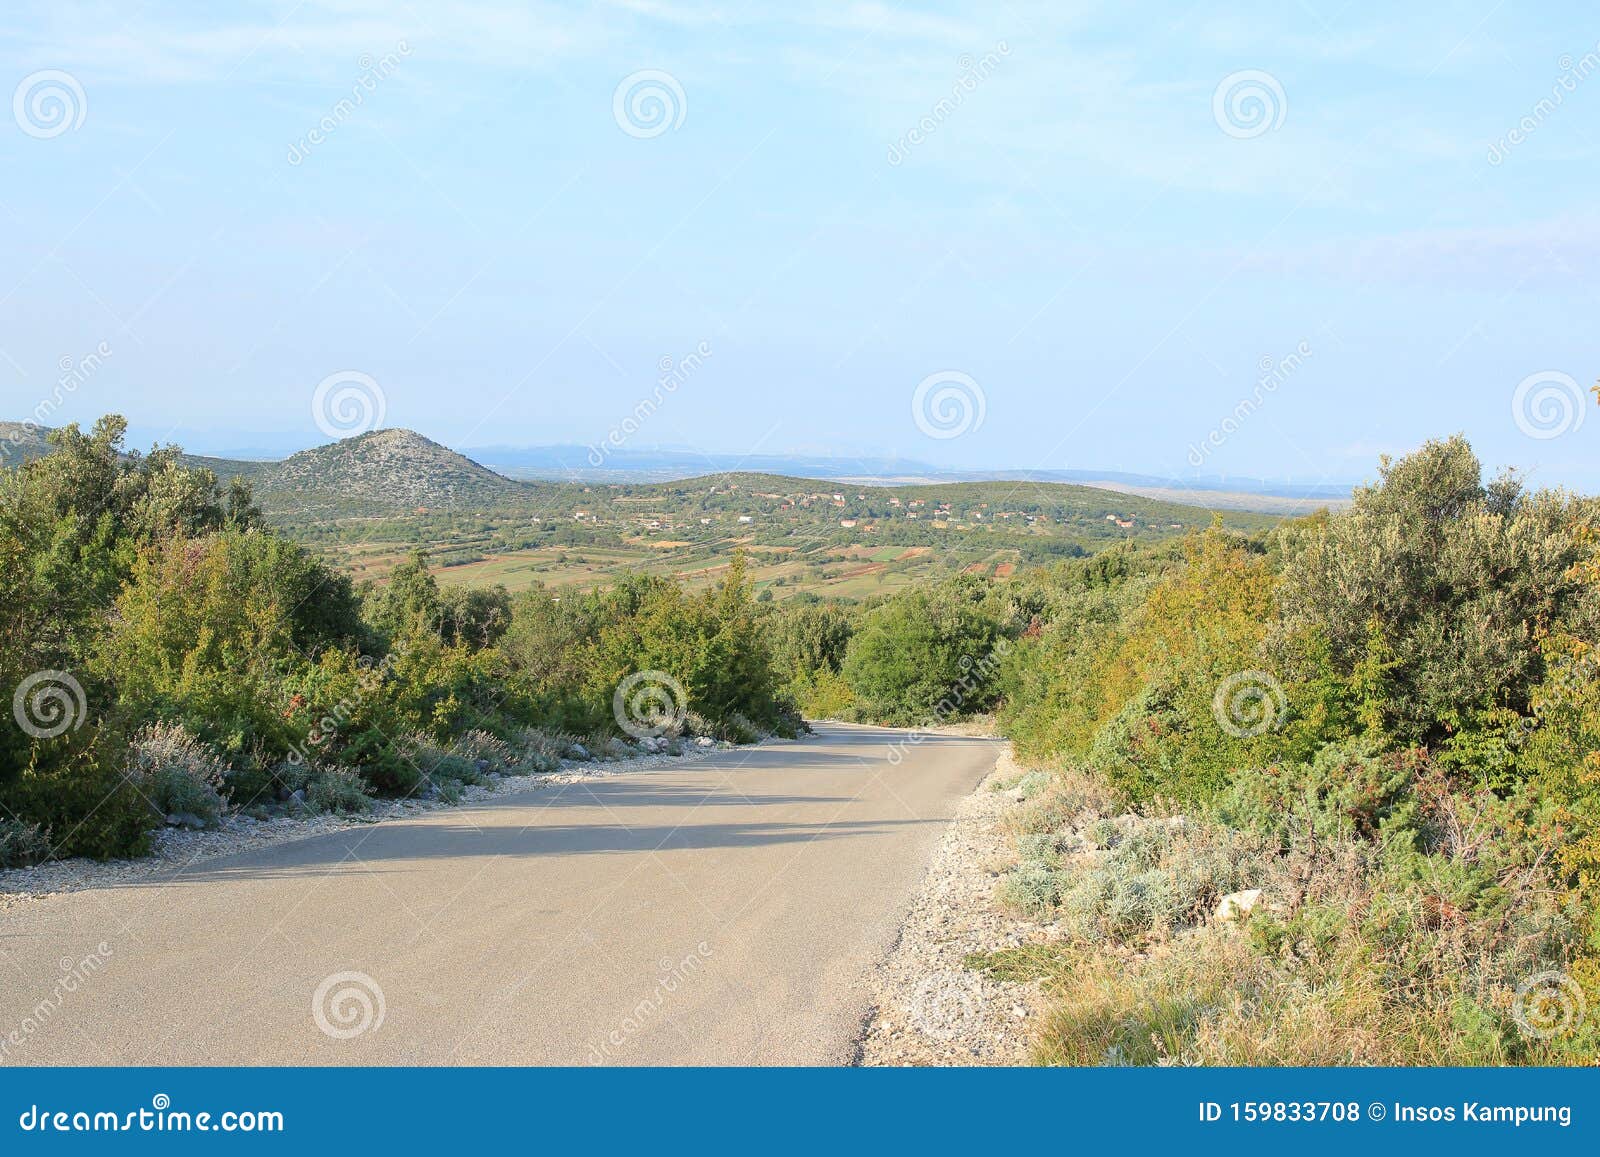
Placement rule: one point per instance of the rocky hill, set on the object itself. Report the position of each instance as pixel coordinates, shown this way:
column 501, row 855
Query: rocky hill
column 383, row 470
column 22, row 442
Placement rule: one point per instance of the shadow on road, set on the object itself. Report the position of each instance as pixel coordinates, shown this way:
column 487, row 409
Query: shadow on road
column 515, row 825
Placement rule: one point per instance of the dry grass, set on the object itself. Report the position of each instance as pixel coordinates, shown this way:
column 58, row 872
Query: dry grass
column 1359, row 954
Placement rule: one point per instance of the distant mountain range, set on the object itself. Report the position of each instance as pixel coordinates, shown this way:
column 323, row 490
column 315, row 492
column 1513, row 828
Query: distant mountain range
column 589, row 464
column 396, row 469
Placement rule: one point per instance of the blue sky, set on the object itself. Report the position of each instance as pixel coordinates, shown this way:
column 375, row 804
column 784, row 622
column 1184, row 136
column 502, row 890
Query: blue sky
column 1084, row 232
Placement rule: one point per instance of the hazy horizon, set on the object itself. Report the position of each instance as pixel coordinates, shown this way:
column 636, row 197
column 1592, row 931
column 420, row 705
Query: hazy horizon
column 1268, row 243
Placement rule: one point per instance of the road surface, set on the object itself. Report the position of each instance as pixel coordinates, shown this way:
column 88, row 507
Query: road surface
column 724, row 911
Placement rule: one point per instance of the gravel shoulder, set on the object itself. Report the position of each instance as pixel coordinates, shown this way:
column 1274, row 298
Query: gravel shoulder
column 928, row 1009
column 174, row 850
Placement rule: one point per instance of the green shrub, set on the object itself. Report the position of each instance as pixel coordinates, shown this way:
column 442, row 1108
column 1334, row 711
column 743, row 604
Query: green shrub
column 539, row 750
column 337, row 790
column 74, row 789
column 484, row 751
column 22, row 844
column 923, row 657
column 177, row 773
column 1346, row 791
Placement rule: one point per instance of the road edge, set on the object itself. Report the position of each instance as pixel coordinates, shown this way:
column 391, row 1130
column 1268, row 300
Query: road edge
column 926, row 1007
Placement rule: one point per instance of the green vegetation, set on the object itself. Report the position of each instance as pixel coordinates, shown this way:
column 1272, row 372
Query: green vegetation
column 1387, row 720
column 1384, row 720
column 173, row 656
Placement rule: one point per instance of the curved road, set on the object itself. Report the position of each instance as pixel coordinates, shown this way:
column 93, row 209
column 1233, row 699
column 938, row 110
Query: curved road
column 725, row 910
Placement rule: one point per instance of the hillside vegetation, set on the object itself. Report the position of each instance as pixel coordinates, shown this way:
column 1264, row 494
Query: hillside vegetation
column 381, row 471
column 1305, row 792
column 1324, row 795
column 172, row 656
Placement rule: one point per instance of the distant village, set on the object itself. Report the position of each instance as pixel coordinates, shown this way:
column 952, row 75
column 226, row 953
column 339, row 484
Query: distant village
column 849, row 509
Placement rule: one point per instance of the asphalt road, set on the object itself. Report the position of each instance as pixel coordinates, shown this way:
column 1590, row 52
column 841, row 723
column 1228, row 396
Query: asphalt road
column 725, row 911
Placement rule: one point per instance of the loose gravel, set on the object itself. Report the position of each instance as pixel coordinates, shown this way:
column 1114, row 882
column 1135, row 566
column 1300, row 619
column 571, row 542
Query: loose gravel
column 929, row 1009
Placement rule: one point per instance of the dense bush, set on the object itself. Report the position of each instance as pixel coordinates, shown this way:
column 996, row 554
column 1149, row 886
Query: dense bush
column 22, row 844
column 1413, row 783
column 251, row 674
column 177, row 774
column 924, row 656
column 1456, row 581
column 74, row 788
